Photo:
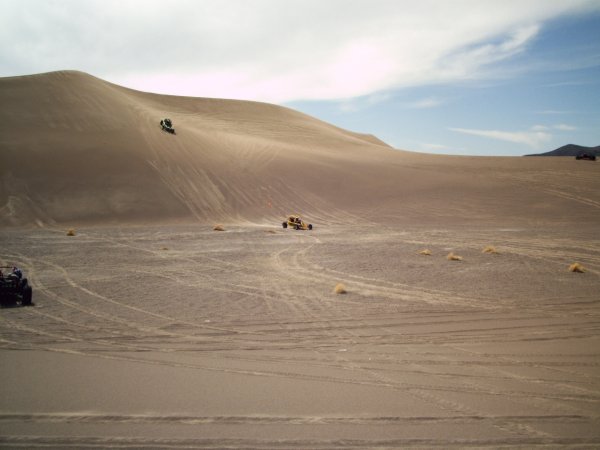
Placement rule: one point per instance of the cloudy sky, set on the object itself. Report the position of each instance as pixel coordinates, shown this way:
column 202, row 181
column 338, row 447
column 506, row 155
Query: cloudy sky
column 486, row 77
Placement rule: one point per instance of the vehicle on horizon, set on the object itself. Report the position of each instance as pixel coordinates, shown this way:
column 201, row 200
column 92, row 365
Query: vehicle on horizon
column 586, row 157
column 14, row 289
column 167, row 126
column 294, row 221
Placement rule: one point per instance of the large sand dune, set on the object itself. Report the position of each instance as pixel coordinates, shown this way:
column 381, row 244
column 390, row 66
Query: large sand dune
column 148, row 333
column 78, row 149
column 75, row 148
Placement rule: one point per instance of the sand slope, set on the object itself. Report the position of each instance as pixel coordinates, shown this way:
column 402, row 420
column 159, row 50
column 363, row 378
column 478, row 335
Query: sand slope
column 77, row 149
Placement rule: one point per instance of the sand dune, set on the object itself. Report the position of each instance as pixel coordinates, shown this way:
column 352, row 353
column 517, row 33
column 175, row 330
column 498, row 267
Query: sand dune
column 76, row 149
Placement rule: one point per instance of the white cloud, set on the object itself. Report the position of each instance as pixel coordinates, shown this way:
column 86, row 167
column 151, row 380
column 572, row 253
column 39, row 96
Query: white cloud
column 565, row 127
column 349, row 107
column 360, row 103
column 424, row 103
column 533, row 138
column 271, row 50
column 467, row 62
column 540, row 128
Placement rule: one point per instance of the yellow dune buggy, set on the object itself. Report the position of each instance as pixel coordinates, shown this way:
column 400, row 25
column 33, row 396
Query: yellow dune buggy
column 294, row 221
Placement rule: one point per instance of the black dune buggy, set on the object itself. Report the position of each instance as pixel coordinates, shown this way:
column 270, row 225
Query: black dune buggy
column 586, row 156
column 167, row 126
column 14, row 289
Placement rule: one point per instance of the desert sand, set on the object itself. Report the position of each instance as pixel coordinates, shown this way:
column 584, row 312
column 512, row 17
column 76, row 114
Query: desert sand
column 152, row 330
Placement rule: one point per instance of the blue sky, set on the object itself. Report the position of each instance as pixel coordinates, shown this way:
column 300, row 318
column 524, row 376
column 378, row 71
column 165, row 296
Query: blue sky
column 475, row 77
column 539, row 100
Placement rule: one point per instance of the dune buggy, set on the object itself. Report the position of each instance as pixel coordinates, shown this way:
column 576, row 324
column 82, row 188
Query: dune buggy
column 586, row 156
column 14, row 289
column 295, row 222
column 167, row 126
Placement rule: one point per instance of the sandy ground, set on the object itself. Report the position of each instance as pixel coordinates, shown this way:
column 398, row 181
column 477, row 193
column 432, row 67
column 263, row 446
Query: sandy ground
column 184, row 337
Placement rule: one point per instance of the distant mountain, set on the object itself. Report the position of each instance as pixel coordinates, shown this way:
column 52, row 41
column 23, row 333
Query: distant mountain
column 571, row 150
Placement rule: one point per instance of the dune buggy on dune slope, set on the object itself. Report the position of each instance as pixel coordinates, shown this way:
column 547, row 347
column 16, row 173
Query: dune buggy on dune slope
column 294, row 221
column 14, row 289
column 167, row 125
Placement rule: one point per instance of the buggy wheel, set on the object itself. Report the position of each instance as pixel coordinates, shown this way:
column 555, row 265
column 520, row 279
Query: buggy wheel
column 296, row 227
column 284, row 224
column 27, row 294
column 310, row 226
